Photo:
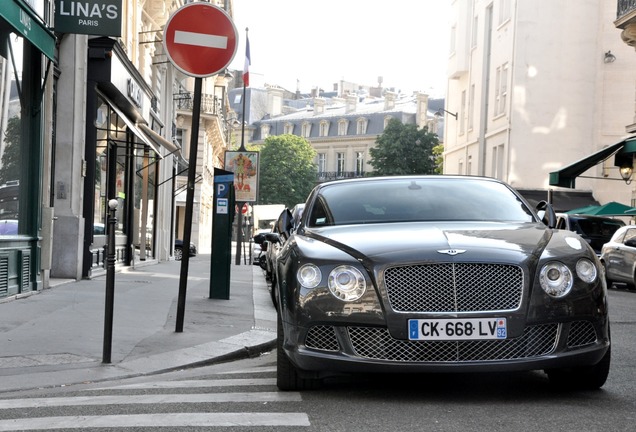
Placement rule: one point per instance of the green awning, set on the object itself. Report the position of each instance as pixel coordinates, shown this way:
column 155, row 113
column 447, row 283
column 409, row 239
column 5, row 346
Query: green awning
column 566, row 176
column 612, row 208
column 25, row 22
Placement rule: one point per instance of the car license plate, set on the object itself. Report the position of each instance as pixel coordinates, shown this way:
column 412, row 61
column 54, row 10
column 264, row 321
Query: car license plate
column 457, row 329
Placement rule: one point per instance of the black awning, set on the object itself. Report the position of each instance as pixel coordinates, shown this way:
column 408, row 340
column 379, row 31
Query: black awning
column 562, row 201
column 566, row 176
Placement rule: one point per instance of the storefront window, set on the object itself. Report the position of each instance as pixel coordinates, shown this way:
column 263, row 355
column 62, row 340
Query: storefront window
column 10, row 133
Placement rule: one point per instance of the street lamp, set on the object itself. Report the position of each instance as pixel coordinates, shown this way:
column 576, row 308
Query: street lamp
column 626, row 169
column 440, row 112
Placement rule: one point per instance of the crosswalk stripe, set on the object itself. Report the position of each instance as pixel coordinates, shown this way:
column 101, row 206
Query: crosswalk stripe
column 194, row 384
column 165, row 420
column 150, row 399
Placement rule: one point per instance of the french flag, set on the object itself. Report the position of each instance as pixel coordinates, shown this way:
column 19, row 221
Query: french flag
column 246, row 68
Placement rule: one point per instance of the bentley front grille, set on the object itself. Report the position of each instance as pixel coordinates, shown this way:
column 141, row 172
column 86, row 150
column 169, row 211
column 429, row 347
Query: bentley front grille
column 377, row 343
column 454, row 287
column 322, row 338
column 581, row 333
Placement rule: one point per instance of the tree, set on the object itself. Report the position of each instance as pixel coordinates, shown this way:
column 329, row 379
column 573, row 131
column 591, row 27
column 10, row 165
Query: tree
column 403, row 149
column 287, row 171
column 11, row 157
column 438, row 152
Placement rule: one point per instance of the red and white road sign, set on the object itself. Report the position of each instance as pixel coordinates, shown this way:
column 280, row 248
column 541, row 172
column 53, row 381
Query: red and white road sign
column 200, row 39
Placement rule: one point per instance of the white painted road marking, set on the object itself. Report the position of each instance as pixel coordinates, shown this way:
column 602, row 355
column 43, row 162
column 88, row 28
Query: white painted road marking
column 217, row 419
column 200, row 39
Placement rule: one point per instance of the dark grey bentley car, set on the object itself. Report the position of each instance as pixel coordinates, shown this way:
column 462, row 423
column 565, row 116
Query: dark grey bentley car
column 437, row 274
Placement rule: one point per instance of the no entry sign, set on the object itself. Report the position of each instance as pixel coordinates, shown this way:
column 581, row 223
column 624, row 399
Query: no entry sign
column 200, row 39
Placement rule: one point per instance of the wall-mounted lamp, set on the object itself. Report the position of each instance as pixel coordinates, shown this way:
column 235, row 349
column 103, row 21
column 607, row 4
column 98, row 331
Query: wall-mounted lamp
column 440, row 112
column 609, row 57
column 626, row 171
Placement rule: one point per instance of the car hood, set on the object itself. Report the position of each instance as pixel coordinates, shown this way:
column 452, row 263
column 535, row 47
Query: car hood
column 427, row 241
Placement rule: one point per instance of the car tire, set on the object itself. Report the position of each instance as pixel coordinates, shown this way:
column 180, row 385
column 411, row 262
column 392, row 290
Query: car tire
column 287, row 375
column 178, row 254
column 582, row 378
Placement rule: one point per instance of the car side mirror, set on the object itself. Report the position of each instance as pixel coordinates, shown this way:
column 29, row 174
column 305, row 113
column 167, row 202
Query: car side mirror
column 260, row 238
column 272, row 237
column 547, row 213
column 631, row 242
column 285, row 223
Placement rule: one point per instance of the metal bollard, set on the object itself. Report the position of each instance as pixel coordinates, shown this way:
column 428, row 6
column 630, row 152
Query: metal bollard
column 110, row 281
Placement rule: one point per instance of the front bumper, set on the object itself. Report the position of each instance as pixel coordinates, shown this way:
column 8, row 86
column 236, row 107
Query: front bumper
column 327, row 348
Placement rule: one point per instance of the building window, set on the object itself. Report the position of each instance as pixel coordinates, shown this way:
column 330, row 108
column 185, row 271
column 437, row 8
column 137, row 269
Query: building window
column 343, row 125
column 462, row 114
column 264, row 131
column 324, row 128
column 497, row 162
column 469, row 166
column 306, row 130
column 289, row 128
column 501, row 89
column 471, row 107
column 340, row 164
column 453, row 38
column 359, row 164
column 322, row 164
column 361, row 128
column 473, row 37
column 387, row 119
column 504, row 11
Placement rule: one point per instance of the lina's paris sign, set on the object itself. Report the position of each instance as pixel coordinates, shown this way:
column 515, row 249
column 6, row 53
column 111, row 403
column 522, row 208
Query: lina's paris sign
column 93, row 17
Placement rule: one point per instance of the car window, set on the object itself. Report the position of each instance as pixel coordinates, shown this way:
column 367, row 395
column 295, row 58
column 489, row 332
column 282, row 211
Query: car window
column 629, row 234
column 405, row 200
column 596, row 227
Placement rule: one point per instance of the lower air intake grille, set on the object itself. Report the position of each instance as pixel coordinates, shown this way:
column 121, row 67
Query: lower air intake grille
column 377, row 343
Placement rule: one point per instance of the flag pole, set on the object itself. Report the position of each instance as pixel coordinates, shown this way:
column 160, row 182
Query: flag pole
column 239, row 224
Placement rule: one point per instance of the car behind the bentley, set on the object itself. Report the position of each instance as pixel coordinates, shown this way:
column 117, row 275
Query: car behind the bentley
column 436, row 274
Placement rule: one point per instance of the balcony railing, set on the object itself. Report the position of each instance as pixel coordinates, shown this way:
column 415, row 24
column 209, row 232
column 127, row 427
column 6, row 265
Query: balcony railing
column 334, row 175
column 625, row 7
column 210, row 104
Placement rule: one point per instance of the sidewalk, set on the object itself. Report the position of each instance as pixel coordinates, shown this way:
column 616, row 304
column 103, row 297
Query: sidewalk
column 56, row 337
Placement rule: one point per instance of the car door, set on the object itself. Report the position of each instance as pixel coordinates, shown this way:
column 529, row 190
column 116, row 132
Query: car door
column 621, row 257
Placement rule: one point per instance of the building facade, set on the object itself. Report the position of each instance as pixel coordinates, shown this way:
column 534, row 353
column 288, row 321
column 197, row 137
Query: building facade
column 536, row 86
column 88, row 118
column 341, row 127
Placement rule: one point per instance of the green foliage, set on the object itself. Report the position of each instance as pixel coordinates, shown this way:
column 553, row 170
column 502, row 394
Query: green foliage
column 438, row 152
column 11, row 157
column 403, row 150
column 287, row 170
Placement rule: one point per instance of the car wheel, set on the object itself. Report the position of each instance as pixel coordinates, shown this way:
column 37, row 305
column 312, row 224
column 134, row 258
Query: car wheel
column 178, row 254
column 582, row 378
column 287, row 375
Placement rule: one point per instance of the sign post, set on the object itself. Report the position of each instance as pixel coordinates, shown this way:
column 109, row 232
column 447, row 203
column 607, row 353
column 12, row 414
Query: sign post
column 200, row 40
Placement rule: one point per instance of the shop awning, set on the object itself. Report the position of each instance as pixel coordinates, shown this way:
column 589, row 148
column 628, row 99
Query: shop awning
column 134, row 129
column 566, row 176
column 171, row 147
column 29, row 25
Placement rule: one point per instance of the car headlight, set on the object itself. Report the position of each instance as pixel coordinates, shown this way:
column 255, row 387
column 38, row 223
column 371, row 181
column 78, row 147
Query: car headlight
column 586, row 270
column 347, row 283
column 556, row 279
column 309, row 275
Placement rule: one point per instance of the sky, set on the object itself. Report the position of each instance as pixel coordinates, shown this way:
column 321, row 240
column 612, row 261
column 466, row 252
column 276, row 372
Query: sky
column 316, row 43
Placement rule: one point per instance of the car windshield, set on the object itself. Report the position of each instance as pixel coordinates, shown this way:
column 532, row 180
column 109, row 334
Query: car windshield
column 407, row 200
column 596, row 227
